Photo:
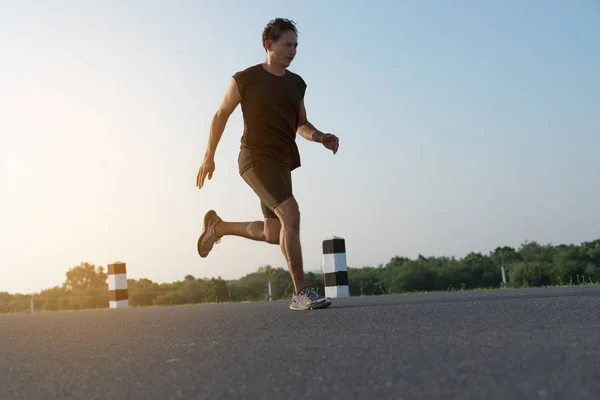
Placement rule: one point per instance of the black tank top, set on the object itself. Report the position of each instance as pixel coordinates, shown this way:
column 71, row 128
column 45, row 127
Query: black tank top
column 270, row 108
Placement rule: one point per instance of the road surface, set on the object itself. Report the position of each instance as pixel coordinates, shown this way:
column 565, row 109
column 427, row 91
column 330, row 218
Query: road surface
column 509, row 344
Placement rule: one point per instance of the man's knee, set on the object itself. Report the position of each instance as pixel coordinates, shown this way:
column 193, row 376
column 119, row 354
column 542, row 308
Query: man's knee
column 289, row 213
column 272, row 230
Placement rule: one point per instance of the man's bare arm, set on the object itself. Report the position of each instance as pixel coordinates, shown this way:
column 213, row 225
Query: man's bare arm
column 230, row 102
column 309, row 132
column 306, row 129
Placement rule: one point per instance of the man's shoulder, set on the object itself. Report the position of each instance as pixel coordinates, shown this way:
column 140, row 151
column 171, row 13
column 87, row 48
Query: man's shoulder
column 296, row 77
column 246, row 77
column 253, row 69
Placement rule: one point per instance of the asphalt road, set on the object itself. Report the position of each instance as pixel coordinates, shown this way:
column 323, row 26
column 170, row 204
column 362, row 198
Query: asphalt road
column 514, row 344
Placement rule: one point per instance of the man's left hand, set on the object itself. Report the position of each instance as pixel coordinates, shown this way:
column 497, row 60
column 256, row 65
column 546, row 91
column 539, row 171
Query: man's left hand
column 330, row 142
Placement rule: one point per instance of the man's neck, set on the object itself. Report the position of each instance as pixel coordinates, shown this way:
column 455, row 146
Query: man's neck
column 273, row 68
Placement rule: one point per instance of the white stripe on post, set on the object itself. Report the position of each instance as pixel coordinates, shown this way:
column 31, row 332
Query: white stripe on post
column 118, row 294
column 335, row 270
column 119, row 304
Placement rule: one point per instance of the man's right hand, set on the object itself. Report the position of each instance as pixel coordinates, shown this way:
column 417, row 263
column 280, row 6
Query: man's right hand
column 207, row 168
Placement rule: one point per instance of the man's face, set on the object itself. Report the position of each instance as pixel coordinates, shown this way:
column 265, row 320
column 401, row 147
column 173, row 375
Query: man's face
column 283, row 50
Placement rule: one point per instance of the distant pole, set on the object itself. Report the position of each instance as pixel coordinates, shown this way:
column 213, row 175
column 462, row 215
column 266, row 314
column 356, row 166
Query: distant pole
column 118, row 294
column 32, row 309
column 502, row 268
column 335, row 270
column 270, row 291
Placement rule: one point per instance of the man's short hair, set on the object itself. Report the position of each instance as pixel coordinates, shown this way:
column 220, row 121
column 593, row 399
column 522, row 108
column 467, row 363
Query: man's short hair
column 275, row 29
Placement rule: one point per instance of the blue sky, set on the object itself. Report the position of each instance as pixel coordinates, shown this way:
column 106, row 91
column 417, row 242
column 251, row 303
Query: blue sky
column 463, row 126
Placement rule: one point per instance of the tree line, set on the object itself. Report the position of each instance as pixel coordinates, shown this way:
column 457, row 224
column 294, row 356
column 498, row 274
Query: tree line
column 530, row 265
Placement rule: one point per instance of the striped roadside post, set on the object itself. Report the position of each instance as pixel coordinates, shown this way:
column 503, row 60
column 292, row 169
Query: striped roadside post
column 118, row 294
column 334, row 267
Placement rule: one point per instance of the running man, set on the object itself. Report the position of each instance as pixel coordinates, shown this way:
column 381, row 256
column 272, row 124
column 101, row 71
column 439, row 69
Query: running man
column 272, row 101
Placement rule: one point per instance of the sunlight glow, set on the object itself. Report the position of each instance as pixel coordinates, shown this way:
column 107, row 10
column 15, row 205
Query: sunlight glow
column 9, row 163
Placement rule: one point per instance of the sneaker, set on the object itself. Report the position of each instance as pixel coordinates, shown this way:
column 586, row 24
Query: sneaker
column 209, row 237
column 308, row 299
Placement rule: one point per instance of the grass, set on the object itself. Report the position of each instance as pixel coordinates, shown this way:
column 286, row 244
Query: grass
column 525, row 285
column 581, row 282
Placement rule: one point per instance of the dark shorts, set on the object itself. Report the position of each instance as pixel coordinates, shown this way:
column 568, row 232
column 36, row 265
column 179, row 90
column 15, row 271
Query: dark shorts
column 271, row 182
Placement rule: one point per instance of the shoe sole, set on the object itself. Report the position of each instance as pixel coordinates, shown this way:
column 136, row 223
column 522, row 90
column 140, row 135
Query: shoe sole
column 207, row 218
column 319, row 306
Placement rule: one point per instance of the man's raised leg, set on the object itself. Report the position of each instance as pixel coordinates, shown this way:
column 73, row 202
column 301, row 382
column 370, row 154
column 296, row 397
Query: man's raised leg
column 262, row 231
column 215, row 228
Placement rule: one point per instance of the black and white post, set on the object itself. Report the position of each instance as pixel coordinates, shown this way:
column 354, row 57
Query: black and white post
column 118, row 293
column 335, row 270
